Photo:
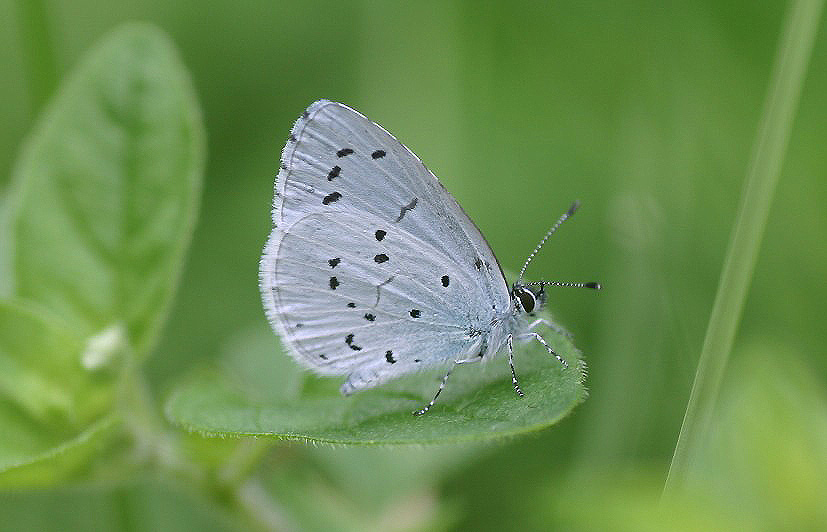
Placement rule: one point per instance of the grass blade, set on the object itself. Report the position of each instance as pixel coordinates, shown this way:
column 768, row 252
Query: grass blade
column 790, row 67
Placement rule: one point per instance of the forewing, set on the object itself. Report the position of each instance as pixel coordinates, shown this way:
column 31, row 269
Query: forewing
column 336, row 159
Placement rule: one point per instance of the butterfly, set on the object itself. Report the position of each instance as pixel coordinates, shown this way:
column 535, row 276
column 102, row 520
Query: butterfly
column 372, row 269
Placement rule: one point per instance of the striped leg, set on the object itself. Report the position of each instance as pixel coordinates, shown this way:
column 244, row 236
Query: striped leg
column 441, row 386
column 551, row 325
column 509, row 343
column 548, row 348
column 444, row 380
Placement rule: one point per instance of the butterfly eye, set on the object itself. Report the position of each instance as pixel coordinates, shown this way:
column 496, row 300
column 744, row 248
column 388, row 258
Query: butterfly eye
column 526, row 299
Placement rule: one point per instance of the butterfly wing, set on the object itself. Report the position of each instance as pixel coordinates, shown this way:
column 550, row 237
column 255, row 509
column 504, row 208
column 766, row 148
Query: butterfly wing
column 349, row 304
column 372, row 269
column 338, row 159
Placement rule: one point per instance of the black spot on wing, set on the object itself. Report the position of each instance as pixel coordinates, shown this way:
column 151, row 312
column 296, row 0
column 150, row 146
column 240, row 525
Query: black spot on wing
column 446, row 281
column 351, row 305
column 344, row 152
column 378, row 154
column 370, row 317
column 349, row 342
column 380, row 234
column 478, row 264
column 334, row 262
column 330, row 198
column 415, row 313
column 380, row 258
column 333, row 283
column 334, row 173
column 389, row 357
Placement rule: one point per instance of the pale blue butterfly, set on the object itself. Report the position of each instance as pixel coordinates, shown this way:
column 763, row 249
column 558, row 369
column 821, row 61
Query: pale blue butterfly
column 373, row 270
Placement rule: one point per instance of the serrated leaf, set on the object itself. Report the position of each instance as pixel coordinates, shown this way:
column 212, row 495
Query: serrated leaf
column 107, row 187
column 478, row 402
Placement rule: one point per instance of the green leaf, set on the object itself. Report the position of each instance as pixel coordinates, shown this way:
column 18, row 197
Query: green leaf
column 100, row 214
column 59, row 461
column 40, row 365
column 48, row 403
column 263, row 392
column 106, row 189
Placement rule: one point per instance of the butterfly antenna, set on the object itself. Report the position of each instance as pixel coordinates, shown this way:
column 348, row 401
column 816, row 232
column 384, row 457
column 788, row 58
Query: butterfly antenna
column 594, row 285
column 558, row 223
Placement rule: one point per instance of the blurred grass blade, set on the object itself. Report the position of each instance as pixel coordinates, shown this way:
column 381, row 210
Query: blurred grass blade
column 107, row 187
column 790, row 67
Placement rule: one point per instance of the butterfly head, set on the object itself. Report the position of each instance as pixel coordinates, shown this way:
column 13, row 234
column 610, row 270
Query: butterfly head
column 528, row 299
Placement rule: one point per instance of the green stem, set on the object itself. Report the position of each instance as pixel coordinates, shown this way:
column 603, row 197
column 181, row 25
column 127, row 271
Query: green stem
column 258, row 507
column 231, row 487
column 790, row 67
column 246, row 456
column 153, row 442
column 38, row 51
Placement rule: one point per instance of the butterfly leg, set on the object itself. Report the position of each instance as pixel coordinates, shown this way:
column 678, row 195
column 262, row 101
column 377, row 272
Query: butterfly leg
column 551, row 325
column 441, row 386
column 510, row 343
column 548, row 348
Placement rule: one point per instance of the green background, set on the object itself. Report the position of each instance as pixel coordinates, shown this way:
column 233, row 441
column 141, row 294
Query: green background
column 644, row 111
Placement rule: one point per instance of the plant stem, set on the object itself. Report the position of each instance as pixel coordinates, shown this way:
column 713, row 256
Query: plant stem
column 38, row 51
column 247, row 455
column 789, row 69
column 259, row 507
column 153, row 442
column 231, row 487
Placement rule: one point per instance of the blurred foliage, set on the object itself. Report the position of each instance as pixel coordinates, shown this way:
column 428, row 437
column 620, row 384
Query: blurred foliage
column 645, row 111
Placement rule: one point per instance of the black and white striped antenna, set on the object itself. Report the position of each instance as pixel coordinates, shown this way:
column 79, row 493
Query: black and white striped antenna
column 566, row 215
